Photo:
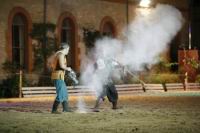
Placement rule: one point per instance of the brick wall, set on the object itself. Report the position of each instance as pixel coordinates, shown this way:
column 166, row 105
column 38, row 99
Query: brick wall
column 87, row 13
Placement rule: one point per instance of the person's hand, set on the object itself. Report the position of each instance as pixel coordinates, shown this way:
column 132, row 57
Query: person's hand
column 69, row 69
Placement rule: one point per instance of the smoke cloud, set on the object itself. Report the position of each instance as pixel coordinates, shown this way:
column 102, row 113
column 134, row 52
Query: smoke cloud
column 145, row 39
column 149, row 35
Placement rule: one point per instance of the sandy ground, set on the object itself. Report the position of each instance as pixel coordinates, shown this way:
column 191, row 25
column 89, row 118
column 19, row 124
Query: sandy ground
column 166, row 112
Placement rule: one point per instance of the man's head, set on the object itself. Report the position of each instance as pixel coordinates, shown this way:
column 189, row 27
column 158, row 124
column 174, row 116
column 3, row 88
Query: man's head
column 64, row 47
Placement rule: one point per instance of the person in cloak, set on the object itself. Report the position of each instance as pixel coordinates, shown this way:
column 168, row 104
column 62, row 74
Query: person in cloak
column 103, row 69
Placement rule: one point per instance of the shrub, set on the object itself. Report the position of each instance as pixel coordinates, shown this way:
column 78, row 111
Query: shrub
column 151, row 78
column 162, row 78
column 197, row 80
column 10, row 87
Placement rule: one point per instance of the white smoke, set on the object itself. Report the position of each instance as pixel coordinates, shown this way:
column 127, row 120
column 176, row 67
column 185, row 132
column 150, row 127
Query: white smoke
column 81, row 105
column 148, row 36
column 145, row 39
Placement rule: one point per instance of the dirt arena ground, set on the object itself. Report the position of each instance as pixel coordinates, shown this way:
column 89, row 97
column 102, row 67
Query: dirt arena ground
column 160, row 112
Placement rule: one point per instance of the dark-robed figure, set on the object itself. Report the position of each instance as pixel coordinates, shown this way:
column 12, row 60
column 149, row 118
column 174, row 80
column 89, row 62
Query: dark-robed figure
column 103, row 68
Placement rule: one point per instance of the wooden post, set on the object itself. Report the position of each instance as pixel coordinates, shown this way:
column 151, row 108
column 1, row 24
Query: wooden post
column 186, row 74
column 143, row 87
column 185, row 81
column 164, row 87
column 20, row 83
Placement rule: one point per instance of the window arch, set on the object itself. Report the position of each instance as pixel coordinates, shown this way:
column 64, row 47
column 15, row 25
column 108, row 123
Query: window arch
column 67, row 33
column 19, row 47
column 108, row 27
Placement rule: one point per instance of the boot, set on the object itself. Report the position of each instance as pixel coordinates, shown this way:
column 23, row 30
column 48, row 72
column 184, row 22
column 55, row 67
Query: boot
column 65, row 107
column 55, row 107
column 114, row 105
column 98, row 102
column 96, row 107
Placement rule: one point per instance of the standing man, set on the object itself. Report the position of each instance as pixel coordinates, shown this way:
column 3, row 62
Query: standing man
column 58, row 75
column 104, row 69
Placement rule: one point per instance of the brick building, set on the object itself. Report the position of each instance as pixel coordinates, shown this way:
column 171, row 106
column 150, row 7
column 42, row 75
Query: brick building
column 70, row 16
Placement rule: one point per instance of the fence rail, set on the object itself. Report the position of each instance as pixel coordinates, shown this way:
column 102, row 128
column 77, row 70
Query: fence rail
column 122, row 89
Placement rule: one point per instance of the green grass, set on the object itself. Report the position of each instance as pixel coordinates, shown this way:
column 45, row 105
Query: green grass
column 146, row 113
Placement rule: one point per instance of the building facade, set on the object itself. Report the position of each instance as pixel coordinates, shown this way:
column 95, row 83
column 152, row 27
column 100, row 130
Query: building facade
column 69, row 16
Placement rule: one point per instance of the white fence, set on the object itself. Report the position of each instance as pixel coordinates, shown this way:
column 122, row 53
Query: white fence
column 122, row 89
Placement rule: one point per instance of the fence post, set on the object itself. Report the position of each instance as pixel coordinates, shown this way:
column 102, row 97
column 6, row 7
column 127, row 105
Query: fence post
column 185, row 81
column 143, row 87
column 20, row 83
column 164, row 87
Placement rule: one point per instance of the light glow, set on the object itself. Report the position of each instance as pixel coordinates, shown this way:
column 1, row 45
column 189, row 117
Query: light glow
column 145, row 3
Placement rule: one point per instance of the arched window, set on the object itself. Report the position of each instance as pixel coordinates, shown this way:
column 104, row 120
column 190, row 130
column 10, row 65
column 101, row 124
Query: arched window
column 67, row 33
column 19, row 48
column 107, row 27
column 18, row 41
column 67, row 36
